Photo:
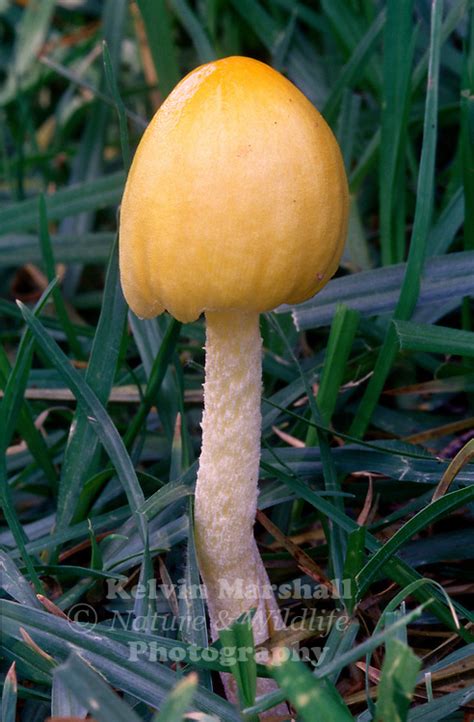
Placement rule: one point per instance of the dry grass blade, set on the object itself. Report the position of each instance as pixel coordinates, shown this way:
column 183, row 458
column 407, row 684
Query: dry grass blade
column 304, row 562
column 462, row 458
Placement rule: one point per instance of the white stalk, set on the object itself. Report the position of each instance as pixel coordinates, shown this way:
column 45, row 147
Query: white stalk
column 227, row 483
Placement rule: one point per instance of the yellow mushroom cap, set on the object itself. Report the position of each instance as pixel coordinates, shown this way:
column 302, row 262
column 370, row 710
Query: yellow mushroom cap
column 236, row 198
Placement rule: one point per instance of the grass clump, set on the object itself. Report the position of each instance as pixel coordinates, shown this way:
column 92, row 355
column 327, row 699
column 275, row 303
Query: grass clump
column 365, row 520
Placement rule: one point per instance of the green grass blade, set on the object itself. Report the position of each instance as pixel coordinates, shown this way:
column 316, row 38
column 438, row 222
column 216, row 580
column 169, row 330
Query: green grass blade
column 338, row 643
column 411, row 282
column 169, row 493
column 177, row 703
column 87, row 196
column 397, row 682
column 397, row 60
column 424, row 198
column 27, row 429
column 455, row 14
column 236, row 639
column 448, row 224
column 10, row 409
column 156, row 348
column 18, row 378
column 434, row 339
column 346, row 133
column 159, row 29
column 9, row 696
column 119, row 106
column 14, row 583
column 436, row 510
column 338, row 537
column 395, row 568
column 82, row 447
column 397, row 600
column 139, row 122
column 84, row 248
column 369, row 155
column 49, row 264
column 341, row 338
column 90, row 689
column 195, row 30
column 89, row 160
column 354, row 66
column 96, row 414
column 347, row 27
column 305, row 692
column 467, row 151
column 18, row 533
column 467, row 132
column 350, row 656
column 30, row 37
column 366, row 162
column 377, row 291
column 441, row 707
column 63, row 701
column 192, row 606
column 281, row 49
column 263, row 25
column 144, row 608
column 146, row 680
column 353, row 563
column 337, row 540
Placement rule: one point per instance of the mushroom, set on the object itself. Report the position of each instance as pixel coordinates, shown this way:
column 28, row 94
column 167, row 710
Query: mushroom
column 236, row 202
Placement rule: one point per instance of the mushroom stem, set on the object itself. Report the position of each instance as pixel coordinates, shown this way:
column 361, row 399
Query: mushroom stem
column 226, row 490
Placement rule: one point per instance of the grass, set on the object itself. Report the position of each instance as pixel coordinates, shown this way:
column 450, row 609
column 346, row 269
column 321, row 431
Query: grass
column 367, row 472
